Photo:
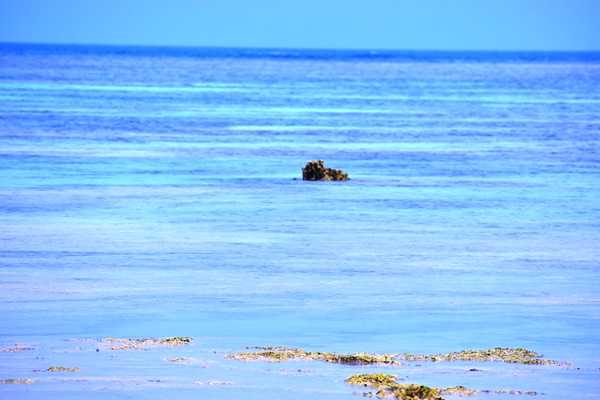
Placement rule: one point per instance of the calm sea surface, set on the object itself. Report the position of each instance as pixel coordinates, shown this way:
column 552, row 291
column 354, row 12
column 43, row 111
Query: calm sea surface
column 150, row 192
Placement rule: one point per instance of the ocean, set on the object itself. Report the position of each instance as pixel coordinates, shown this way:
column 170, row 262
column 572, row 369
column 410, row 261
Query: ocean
column 157, row 192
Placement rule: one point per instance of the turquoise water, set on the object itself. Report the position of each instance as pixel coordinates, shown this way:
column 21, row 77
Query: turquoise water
column 150, row 192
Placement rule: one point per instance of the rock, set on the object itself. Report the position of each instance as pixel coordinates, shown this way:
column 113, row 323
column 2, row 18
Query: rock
column 389, row 387
column 315, row 170
column 505, row 354
column 62, row 369
column 374, row 380
column 138, row 344
column 278, row 354
column 18, row 381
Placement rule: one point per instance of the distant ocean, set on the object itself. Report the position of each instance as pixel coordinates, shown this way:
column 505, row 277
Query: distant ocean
column 152, row 192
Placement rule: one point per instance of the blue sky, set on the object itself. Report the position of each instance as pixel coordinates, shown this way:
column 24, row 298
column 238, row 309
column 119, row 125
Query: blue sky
column 376, row 24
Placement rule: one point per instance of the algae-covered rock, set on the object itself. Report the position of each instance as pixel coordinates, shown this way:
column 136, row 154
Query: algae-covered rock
column 459, row 390
column 416, row 392
column 353, row 359
column 284, row 354
column 138, row 344
column 175, row 341
column 62, row 369
column 504, row 354
column 269, row 354
column 374, row 380
column 389, row 387
column 315, row 170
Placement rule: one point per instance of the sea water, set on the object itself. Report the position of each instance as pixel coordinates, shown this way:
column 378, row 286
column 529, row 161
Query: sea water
column 153, row 192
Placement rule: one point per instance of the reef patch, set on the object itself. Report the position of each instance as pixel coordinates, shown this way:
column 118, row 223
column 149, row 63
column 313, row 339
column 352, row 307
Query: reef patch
column 388, row 386
column 141, row 344
column 62, row 369
column 17, row 381
column 278, row 354
column 17, row 348
column 504, row 354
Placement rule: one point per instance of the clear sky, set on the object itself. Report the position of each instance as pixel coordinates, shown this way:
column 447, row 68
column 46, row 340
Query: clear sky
column 360, row 24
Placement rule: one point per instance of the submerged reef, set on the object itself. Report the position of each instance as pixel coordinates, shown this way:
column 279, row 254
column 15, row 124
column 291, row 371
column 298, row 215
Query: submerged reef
column 504, row 354
column 181, row 360
column 137, row 344
column 315, row 170
column 17, row 348
column 461, row 391
column 16, row 381
column 284, row 354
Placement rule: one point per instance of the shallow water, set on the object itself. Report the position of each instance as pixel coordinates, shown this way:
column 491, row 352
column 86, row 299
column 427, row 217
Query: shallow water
column 151, row 192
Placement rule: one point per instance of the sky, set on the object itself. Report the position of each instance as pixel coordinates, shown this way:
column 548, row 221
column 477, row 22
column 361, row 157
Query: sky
column 345, row 24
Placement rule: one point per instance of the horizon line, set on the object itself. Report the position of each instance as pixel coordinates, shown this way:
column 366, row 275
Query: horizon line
column 340, row 49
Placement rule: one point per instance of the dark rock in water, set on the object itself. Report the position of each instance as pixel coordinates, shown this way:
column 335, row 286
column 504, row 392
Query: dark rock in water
column 315, row 170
